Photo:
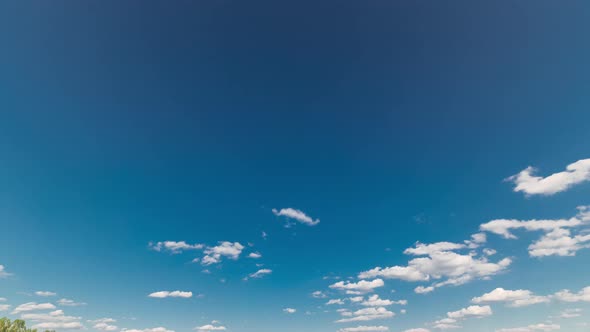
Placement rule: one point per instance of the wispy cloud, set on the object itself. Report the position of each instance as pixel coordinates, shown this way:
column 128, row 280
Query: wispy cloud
column 297, row 215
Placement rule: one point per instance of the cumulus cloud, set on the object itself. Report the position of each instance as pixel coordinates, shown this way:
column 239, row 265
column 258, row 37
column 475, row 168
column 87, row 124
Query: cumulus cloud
column 295, row 214
column 364, row 329
column 174, row 247
column 453, row 268
column 53, row 320
column 567, row 296
column 513, row 298
column 335, row 301
column 224, row 249
column 375, row 301
column 558, row 239
column 214, row 326
column 255, row 255
column 260, row 273
column 473, row 311
column 164, row 294
column 155, row 329
column 32, row 306
column 70, row 303
column 362, row 286
column 532, row 328
column 3, row 273
column 45, row 293
column 530, row 184
column 104, row 324
column 289, row 310
column 365, row 314
column 423, row 290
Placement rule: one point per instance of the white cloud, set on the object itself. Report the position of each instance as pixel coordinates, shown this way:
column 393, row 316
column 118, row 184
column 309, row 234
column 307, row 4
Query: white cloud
column 289, row 310
column 45, row 293
column 417, row 330
column 59, row 326
column 532, row 328
column 254, row 255
column 53, row 320
column 455, row 268
column 297, row 215
column 3, row 273
column 214, row 326
column 224, row 249
column 365, row 314
column 513, row 298
column 155, row 329
column 530, row 184
column 70, row 303
column 174, row 246
column 31, row 306
column 319, row 295
column 422, row 249
column 423, row 290
column 104, row 324
column 362, row 286
column 557, row 240
column 364, row 329
column 375, row 301
column 3, row 299
column 473, row 311
column 4, row 307
column 164, row 294
column 335, row 301
column 571, row 313
column 567, row 296
column 446, row 324
column 260, row 273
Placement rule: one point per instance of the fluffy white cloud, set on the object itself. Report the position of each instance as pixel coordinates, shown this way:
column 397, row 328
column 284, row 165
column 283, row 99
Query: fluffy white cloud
column 456, row 268
column 365, row 314
column 557, row 240
column 532, row 328
column 474, row 311
column 214, row 326
column 422, row 249
column 260, row 273
column 32, row 306
column 3, row 273
column 571, row 313
column 254, row 255
column 423, row 290
column 530, row 184
column 335, row 301
column 164, row 294
column 69, row 303
column 364, row 329
column 319, row 295
column 446, row 324
column 513, row 298
column 155, row 329
column 45, row 293
column 567, row 296
column 289, row 310
column 104, row 324
column 297, row 215
column 417, row 330
column 174, row 247
column 363, row 286
column 231, row 250
column 53, row 320
column 375, row 301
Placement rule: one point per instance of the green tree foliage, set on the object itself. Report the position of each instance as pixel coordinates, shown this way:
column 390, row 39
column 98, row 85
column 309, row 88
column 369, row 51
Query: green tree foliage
column 18, row 325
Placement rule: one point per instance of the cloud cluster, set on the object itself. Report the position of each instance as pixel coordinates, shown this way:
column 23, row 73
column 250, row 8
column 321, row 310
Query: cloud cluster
column 513, row 298
column 363, row 286
column 365, row 314
column 297, row 215
column 164, row 294
column 174, row 246
column 53, row 320
column 530, row 184
column 104, row 324
column 231, row 250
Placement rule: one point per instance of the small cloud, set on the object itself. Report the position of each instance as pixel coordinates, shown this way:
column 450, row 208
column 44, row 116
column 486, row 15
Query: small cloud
column 165, row 294
column 289, row 310
column 45, row 293
column 297, row 215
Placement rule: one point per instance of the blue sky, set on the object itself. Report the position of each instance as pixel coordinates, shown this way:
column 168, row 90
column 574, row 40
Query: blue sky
column 236, row 166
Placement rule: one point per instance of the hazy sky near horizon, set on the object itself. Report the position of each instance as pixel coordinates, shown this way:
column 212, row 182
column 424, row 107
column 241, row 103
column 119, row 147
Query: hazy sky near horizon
column 263, row 166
